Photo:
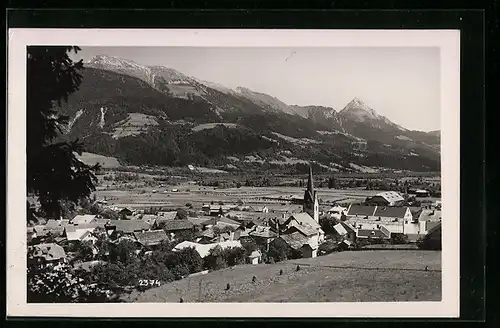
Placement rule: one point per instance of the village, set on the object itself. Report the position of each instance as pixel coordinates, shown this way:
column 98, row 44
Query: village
column 238, row 232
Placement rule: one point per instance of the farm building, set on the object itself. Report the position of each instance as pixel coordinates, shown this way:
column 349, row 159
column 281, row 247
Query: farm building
column 387, row 198
column 395, row 219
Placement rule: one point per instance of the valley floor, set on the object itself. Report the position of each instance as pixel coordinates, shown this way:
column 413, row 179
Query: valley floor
column 357, row 276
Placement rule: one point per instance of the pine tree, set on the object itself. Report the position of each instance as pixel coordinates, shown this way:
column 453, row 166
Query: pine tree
column 54, row 173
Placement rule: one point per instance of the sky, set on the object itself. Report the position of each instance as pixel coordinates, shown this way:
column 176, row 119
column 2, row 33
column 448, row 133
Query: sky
column 402, row 84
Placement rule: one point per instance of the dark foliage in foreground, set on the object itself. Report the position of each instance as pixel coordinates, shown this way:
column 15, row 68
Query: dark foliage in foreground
column 53, row 171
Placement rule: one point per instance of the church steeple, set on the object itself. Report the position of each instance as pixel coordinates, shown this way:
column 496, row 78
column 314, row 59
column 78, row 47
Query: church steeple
column 310, row 186
column 311, row 204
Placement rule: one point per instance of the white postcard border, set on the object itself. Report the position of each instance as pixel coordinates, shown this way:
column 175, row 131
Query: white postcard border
column 447, row 40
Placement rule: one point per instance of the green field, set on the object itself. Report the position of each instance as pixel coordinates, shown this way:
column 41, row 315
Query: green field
column 104, row 161
column 369, row 276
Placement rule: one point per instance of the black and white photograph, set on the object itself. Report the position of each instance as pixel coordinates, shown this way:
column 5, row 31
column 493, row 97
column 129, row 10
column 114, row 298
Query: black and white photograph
column 254, row 170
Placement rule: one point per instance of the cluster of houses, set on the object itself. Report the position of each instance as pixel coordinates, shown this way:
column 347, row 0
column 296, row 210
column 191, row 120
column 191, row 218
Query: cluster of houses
column 230, row 225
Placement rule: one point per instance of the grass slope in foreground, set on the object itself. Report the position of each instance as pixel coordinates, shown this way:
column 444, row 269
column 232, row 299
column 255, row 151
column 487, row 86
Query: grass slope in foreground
column 362, row 276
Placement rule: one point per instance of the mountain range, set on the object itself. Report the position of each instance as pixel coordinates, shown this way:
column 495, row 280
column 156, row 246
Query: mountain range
column 157, row 115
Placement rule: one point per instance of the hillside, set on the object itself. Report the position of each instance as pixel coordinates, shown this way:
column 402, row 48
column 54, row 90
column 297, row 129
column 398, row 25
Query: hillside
column 361, row 276
column 157, row 115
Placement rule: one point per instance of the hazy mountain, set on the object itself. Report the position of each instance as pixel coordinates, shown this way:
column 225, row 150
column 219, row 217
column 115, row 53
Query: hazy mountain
column 157, row 115
column 356, row 110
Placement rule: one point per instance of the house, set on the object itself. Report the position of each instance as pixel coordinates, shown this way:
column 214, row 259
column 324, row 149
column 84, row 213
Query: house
column 306, row 221
column 83, row 219
column 49, row 253
column 255, row 257
column 53, row 227
column 428, row 219
column 204, row 249
column 337, row 211
column 387, row 198
column 150, row 238
column 82, row 232
column 351, row 231
column 345, row 244
column 395, row 219
column 176, row 226
column 101, row 223
column 389, row 213
column 299, row 242
column 262, row 235
column 373, row 234
column 150, row 219
column 206, row 237
column 121, row 227
column 221, row 222
column 260, row 209
column 341, row 231
column 170, row 215
column 360, row 211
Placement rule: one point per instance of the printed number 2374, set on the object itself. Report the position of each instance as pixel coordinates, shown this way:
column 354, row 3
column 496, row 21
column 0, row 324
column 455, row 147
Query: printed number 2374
column 149, row 283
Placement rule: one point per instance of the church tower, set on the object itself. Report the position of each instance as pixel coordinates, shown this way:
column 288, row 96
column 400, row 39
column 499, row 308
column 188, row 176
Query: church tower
column 311, row 204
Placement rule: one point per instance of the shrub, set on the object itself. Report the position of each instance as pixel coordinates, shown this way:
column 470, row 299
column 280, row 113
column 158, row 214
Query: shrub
column 191, row 258
column 399, row 239
column 181, row 214
column 84, row 251
column 61, row 284
column 234, row 255
column 215, row 259
column 279, row 250
column 180, row 271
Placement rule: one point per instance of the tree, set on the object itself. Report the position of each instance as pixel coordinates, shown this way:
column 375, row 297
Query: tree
column 181, row 214
column 399, row 239
column 192, row 259
column 279, row 250
column 84, row 251
column 327, row 224
column 234, row 255
column 60, row 283
column 123, row 252
column 54, row 173
column 215, row 259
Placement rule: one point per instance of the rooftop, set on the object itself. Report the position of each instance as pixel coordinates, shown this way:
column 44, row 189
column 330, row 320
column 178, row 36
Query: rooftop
column 361, row 210
column 149, row 238
column 49, row 252
column 295, row 240
column 129, row 226
column 391, row 212
column 174, row 225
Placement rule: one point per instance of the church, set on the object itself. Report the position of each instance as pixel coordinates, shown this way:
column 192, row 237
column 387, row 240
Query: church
column 311, row 204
